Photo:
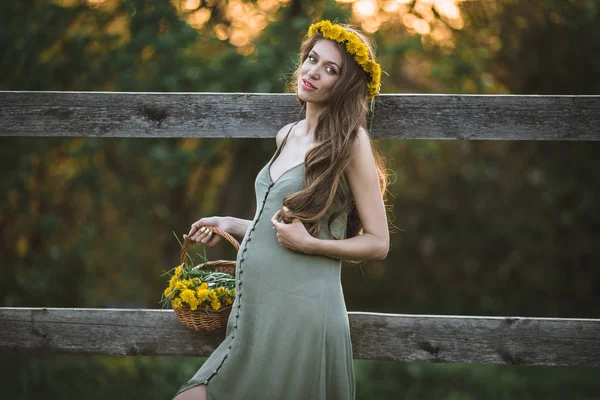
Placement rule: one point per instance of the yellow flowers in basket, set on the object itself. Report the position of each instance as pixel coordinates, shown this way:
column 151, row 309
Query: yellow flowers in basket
column 202, row 296
column 197, row 288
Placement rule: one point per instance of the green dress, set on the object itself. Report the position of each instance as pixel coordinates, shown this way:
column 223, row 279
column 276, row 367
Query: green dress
column 288, row 335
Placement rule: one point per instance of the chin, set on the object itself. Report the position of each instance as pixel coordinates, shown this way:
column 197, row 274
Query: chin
column 302, row 95
column 309, row 97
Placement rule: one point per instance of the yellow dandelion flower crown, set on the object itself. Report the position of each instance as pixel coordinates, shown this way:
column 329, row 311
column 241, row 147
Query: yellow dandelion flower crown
column 355, row 47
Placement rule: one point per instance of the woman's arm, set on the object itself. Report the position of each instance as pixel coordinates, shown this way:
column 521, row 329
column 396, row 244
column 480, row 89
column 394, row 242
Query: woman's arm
column 200, row 231
column 374, row 244
column 236, row 226
column 364, row 247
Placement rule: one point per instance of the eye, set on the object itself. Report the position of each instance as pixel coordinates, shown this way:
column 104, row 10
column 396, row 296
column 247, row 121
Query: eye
column 331, row 70
column 312, row 58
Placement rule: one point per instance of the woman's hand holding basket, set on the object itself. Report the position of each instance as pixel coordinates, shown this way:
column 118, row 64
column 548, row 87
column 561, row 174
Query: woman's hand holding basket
column 201, row 231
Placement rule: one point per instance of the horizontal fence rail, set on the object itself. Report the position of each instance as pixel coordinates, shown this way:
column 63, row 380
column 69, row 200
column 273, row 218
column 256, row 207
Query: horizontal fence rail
column 375, row 336
column 248, row 115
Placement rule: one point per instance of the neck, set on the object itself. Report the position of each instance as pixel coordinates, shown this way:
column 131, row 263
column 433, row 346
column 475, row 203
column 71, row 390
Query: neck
column 313, row 110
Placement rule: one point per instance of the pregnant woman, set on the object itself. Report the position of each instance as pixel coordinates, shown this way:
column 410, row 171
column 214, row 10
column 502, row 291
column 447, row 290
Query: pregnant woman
column 320, row 200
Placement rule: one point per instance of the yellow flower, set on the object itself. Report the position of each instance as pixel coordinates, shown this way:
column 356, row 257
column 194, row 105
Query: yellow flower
column 196, row 281
column 179, row 285
column 361, row 59
column 228, row 299
column 323, row 25
column 354, row 45
column 221, row 290
column 204, row 286
column 177, row 303
column 215, row 304
column 202, row 293
column 363, row 52
column 193, row 302
column 167, row 291
column 376, row 68
column 173, row 282
column 187, row 295
column 178, row 271
column 212, row 295
column 335, row 33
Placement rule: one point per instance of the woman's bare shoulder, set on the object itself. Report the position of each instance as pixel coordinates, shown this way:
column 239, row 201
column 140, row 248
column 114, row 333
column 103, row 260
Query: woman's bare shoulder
column 362, row 141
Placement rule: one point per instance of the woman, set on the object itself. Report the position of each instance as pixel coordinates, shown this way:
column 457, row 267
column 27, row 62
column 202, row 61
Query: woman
column 320, row 201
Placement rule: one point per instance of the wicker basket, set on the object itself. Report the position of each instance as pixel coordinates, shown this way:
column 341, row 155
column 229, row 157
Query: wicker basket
column 207, row 319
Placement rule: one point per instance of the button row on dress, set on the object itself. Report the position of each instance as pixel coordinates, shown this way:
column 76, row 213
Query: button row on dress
column 240, row 285
column 236, row 317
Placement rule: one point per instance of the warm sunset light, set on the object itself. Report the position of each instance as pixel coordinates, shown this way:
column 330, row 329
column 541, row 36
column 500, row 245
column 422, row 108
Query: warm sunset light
column 222, row 32
column 421, row 26
column 447, row 8
column 365, row 8
column 431, row 18
column 190, row 5
column 391, row 6
column 198, row 18
column 243, row 21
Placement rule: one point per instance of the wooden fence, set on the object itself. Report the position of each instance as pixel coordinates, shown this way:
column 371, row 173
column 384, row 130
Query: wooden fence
column 375, row 336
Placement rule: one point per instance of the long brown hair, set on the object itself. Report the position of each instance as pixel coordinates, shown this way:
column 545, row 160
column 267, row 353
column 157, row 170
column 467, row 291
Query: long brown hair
column 337, row 129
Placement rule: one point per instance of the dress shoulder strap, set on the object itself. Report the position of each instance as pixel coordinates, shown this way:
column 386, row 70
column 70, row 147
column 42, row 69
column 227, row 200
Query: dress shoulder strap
column 288, row 134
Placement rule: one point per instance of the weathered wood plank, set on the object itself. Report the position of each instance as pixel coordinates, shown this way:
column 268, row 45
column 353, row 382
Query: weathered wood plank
column 478, row 340
column 398, row 337
column 251, row 115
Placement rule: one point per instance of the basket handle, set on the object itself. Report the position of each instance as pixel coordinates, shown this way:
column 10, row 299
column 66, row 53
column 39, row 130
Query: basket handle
column 187, row 242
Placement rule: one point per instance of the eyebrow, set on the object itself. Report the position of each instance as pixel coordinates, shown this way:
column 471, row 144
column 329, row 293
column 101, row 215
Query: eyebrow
column 329, row 61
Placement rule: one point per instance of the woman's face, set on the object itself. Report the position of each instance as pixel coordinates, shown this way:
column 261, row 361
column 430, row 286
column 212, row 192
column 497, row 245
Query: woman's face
column 319, row 72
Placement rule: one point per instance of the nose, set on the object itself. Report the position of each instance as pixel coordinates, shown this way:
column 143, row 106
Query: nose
column 313, row 73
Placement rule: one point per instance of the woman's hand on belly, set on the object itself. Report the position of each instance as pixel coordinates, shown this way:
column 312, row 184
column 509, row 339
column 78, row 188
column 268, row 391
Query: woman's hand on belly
column 293, row 236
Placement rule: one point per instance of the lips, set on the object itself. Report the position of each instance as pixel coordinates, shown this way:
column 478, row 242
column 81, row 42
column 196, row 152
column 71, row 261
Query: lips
column 308, row 83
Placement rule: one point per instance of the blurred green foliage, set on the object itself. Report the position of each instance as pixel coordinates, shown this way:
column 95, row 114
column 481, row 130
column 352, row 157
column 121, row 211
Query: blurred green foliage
column 157, row 378
column 484, row 228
